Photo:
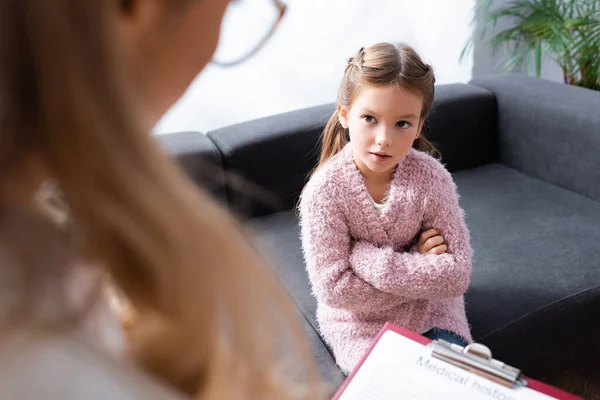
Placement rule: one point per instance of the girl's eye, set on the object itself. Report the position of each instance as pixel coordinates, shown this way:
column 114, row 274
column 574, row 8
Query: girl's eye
column 368, row 119
column 403, row 124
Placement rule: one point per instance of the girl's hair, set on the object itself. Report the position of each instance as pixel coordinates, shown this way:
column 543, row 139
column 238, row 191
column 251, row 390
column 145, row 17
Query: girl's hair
column 382, row 64
column 210, row 319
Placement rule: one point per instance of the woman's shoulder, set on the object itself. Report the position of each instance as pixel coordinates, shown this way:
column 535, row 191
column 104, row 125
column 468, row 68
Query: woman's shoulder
column 67, row 367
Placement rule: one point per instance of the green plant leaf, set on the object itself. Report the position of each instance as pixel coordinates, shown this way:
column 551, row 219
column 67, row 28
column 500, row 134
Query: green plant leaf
column 538, row 59
column 565, row 31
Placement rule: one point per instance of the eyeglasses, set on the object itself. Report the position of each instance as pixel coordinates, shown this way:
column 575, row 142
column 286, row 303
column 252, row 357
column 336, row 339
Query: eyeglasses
column 247, row 26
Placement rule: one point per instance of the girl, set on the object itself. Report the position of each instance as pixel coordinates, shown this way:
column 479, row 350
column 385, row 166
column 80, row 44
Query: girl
column 82, row 83
column 382, row 232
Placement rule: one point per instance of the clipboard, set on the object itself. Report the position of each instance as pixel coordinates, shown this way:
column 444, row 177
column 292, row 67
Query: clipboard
column 472, row 367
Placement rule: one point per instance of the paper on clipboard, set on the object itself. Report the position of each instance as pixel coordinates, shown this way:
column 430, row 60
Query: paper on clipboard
column 398, row 367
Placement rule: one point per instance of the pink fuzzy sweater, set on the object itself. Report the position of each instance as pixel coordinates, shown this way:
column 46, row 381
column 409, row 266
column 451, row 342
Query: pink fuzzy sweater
column 363, row 265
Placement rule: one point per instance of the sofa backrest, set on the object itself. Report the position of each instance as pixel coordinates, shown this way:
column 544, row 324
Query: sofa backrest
column 462, row 125
column 549, row 130
column 266, row 161
column 277, row 153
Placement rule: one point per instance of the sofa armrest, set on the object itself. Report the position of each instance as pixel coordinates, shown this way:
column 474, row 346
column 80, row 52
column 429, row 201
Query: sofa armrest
column 268, row 159
column 200, row 158
column 549, row 130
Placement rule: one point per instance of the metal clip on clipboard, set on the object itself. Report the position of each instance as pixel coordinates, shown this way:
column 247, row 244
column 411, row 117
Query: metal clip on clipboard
column 477, row 359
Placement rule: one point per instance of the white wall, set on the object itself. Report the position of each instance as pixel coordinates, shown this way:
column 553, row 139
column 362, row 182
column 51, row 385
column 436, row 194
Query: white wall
column 302, row 64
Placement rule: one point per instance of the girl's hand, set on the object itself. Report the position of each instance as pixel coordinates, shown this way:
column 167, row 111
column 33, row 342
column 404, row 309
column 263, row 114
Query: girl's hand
column 431, row 242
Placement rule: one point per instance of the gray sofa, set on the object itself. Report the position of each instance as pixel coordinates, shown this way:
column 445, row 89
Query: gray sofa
column 525, row 154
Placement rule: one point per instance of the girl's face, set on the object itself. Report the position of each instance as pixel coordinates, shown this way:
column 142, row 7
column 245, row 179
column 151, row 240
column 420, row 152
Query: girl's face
column 383, row 124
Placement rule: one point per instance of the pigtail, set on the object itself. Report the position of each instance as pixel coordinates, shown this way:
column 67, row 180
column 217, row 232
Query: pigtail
column 334, row 138
column 425, row 146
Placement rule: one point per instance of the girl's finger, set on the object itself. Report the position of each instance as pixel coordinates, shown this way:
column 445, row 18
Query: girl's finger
column 433, row 242
column 441, row 249
column 427, row 234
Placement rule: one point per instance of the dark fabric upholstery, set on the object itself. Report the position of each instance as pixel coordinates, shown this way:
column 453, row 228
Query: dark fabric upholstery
column 536, row 274
column 278, row 236
column 530, row 282
column 462, row 125
column 549, row 130
column 200, row 158
column 273, row 156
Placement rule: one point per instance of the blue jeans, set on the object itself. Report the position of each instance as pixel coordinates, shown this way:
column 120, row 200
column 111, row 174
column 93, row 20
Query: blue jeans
column 443, row 334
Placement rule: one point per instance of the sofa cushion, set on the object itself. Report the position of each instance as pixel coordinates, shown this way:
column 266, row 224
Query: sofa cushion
column 535, row 281
column 536, row 275
column 278, row 236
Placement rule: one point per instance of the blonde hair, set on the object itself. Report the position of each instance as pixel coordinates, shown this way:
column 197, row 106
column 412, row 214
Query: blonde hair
column 382, row 64
column 209, row 316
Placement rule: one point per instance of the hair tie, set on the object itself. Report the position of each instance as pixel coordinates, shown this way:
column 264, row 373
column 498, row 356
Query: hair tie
column 361, row 56
column 358, row 59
